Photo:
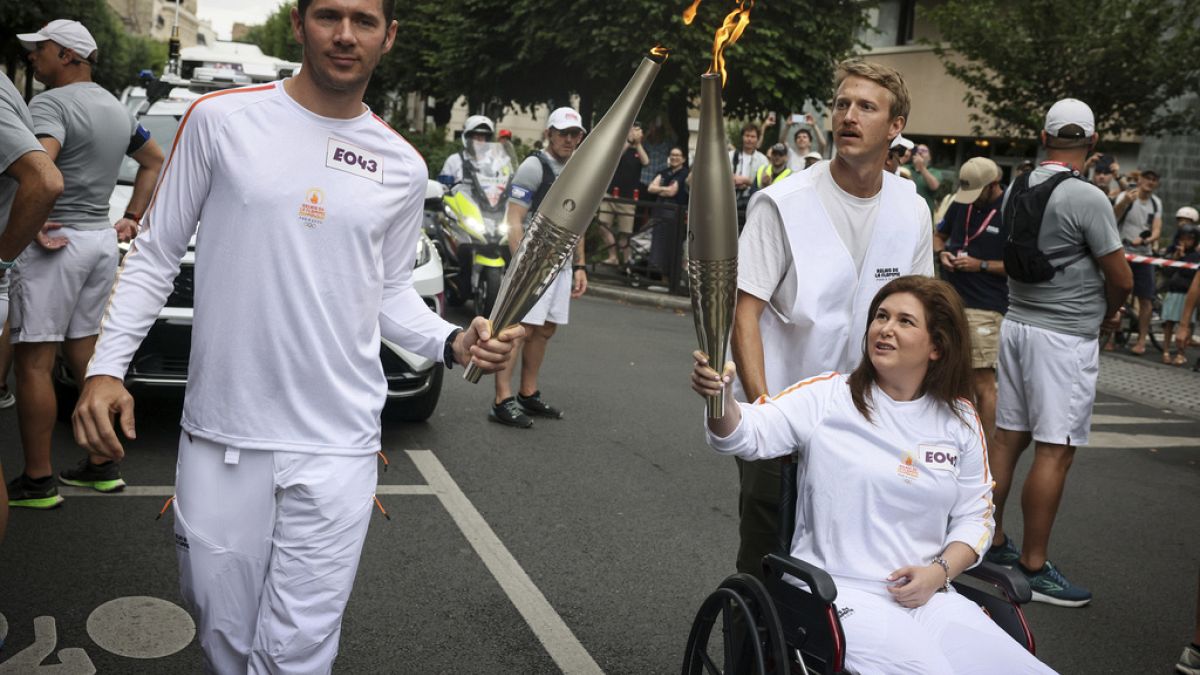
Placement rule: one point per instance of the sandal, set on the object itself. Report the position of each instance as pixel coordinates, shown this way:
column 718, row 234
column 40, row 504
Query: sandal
column 1136, row 352
column 1179, row 360
column 1166, row 358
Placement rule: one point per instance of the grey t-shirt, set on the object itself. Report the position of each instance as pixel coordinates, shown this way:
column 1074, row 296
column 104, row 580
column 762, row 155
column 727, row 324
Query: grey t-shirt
column 528, row 179
column 94, row 130
column 1073, row 302
column 1137, row 219
column 16, row 141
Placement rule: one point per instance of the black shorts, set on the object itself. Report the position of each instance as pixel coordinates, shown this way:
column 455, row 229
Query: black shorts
column 1143, row 280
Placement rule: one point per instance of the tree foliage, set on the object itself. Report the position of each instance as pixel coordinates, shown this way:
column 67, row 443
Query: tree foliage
column 122, row 56
column 522, row 53
column 1130, row 60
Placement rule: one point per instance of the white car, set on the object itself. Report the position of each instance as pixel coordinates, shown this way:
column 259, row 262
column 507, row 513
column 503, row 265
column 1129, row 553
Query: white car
column 414, row 382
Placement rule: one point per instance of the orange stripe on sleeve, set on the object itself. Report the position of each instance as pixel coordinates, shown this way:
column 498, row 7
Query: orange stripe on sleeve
column 803, row 383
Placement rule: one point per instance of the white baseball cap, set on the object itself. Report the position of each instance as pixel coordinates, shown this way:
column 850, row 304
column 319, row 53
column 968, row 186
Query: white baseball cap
column 1070, row 119
column 902, row 142
column 69, row 34
column 976, row 174
column 565, row 118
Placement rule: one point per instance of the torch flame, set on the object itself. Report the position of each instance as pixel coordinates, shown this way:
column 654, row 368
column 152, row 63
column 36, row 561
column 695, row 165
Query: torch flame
column 689, row 14
column 729, row 32
column 660, row 51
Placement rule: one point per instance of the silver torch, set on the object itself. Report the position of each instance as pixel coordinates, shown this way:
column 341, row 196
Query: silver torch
column 568, row 208
column 712, row 235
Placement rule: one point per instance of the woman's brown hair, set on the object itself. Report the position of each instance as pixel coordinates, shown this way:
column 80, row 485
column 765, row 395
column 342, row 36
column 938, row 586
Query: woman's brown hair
column 949, row 377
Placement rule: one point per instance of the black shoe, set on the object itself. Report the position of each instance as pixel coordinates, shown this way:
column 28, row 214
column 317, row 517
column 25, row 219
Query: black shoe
column 25, row 492
column 507, row 412
column 104, row 477
column 534, row 405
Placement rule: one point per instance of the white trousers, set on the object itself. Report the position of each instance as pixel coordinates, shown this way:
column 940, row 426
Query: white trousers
column 949, row 635
column 268, row 546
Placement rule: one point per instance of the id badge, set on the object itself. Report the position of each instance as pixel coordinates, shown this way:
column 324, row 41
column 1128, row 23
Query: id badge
column 962, row 253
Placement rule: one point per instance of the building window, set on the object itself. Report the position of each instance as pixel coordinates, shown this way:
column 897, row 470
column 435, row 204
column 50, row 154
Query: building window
column 159, row 21
column 201, row 40
column 890, row 24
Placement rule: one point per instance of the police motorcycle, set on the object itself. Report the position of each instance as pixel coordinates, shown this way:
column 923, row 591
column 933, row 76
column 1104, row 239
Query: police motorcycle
column 475, row 233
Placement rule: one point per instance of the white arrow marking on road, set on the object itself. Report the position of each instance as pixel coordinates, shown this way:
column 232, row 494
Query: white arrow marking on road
column 28, row 661
column 1112, row 439
column 168, row 490
column 551, row 630
column 1120, row 419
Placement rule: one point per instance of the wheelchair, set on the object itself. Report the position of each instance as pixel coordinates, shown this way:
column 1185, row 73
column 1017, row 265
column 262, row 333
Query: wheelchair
column 778, row 628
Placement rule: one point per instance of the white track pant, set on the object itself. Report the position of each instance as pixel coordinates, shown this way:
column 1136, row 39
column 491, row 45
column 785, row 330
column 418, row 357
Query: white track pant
column 268, row 546
column 949, row 635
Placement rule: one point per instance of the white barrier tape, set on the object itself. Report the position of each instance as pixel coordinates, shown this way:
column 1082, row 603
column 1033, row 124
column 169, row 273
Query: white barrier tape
column 1161, row 262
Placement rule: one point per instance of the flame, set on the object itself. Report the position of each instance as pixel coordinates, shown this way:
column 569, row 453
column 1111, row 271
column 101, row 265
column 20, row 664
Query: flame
column 729, row 32
column 689, row 14
column 660, row 51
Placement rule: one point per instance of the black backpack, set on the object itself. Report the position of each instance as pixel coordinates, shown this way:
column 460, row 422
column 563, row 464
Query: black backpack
column 1022, row 214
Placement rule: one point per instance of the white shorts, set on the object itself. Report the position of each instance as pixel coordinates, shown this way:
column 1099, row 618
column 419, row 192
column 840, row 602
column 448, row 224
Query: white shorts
column 268, row 545
column 554, row 306
column 1047, row 383
column 57, row 295
column 949, row 635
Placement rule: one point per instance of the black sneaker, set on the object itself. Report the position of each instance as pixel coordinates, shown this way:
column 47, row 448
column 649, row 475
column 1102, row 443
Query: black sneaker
column 104, row 477
column 509, row 413
column 28, row 493
column 534, row 405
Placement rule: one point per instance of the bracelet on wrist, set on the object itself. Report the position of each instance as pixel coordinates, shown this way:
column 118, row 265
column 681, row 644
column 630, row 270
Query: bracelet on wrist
column 940, row 561
column 130, row 215
column 577, row 268
column 448, row 349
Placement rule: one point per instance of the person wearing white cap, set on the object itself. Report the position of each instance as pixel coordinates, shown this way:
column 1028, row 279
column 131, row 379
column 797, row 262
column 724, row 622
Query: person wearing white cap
column 898, row 155
column 61, row 285
column 971, row 238
column 531, row 182
column 1049, row 340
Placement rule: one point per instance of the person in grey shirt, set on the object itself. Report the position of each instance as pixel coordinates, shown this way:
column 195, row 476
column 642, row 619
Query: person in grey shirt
column 1139, row 222
column 60, row 286
column 29, row 184
column 1050, row 351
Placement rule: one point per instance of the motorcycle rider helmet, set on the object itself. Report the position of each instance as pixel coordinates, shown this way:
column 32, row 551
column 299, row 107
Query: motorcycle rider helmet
column 478, row 124
column 1189, row 213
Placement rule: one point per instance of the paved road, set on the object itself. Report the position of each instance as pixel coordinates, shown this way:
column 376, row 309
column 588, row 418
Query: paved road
column 589, row 540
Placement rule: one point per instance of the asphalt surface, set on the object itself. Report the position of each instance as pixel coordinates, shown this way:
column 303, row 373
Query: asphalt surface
column 618, row 515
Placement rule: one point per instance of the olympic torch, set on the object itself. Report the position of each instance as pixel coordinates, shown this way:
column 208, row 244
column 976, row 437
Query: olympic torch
column 712, row 235
column 569, row 206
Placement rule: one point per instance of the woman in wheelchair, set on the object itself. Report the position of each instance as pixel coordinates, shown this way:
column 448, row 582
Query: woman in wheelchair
column 894, row 492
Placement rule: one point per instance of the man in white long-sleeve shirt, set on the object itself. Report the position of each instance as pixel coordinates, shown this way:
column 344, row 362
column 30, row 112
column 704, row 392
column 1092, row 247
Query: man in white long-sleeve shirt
column 309, row 208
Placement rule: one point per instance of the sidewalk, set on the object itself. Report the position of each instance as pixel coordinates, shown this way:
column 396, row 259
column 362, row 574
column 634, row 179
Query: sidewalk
column 1143, row 379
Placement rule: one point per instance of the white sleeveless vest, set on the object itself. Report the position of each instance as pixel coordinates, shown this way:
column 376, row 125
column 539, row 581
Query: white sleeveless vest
column 823, row 330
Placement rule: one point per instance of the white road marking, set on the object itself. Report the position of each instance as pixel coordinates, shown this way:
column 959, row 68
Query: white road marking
column 29, row 661
column 1112, row 439
column 551, row 630
column 169, row 490
column 141, row 627
column 1121, row 419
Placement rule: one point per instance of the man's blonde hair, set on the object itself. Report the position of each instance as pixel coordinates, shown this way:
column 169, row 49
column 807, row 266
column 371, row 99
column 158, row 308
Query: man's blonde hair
column 886, row 77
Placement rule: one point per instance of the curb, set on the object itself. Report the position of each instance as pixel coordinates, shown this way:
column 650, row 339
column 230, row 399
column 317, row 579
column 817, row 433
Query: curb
column 640, row 297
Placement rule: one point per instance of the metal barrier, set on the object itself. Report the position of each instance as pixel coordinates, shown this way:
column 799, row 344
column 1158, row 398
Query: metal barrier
column 654, row 256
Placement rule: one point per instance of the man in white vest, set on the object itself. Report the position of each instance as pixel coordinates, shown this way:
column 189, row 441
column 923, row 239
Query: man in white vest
column 815, row 250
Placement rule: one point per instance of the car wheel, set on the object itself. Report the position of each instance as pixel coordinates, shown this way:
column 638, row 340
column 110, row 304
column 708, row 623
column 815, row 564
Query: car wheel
column 417, row 408
column 487, row 290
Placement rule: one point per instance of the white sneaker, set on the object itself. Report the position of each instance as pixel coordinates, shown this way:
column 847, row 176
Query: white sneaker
column 7, row 400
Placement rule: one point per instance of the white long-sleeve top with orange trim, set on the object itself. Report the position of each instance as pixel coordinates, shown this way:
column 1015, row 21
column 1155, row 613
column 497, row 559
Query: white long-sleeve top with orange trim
column 872, row 496
column 306, row 240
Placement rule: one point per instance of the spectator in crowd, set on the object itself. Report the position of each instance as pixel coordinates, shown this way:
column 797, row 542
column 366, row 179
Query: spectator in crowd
column 811, row 158
column 1104, row 169
column 669, row 187
column 776, row 170
column 29, row 185
column 564, row 130
column 1049, row 356
column 1023, row 168
column 927, row 178
column 60, row 286
column 625, row 184
column 1179, row 280
column 816, row 248
column 1139, row 219
column 972, row 259
column 898, row 154
column 803, row 137
column 746, row 163
column 657, row 143
column 477, row 128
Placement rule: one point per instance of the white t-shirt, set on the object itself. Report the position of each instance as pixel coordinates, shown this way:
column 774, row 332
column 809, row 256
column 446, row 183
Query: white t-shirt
column 307, row 233
column 452, row 168
column 747, row 164
column 872, row 496
column 773, row 277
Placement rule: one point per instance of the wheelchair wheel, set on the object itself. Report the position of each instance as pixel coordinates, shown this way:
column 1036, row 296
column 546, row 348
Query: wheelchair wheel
column 751, row 634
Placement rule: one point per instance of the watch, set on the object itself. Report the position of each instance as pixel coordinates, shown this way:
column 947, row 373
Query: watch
column 983, row 265
column 448, row 349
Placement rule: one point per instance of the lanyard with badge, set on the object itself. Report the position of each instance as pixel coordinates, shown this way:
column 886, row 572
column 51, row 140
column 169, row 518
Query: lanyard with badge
column 962, row 252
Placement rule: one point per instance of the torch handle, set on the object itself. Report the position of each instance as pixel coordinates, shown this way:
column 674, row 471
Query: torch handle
column 715, row 405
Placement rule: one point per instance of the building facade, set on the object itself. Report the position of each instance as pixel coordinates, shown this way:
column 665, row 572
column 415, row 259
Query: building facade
column 155, row 19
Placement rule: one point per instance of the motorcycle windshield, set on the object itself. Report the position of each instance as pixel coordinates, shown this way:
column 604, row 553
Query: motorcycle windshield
column 491, row 168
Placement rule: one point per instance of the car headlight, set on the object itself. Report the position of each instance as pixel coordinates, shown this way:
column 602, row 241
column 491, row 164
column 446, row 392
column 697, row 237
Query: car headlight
column 424, row 250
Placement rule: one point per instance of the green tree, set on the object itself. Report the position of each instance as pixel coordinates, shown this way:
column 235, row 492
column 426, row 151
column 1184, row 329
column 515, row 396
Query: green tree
column 1130, row 60
column 274, row 36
